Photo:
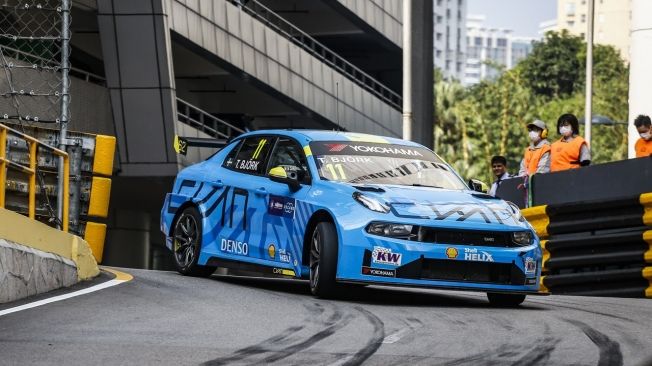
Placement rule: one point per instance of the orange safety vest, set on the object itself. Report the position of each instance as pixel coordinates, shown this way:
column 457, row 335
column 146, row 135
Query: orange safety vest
column 643, row 148
column 566, row 155
column 532, row 158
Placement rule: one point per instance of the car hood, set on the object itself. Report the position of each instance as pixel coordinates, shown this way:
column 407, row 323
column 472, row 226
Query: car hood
column 451, row 206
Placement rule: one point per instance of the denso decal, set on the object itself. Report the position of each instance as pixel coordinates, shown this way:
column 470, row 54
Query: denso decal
column 382, row 255
column 281, row 206
column 234, row 247
column 378, row 272
column 472, row 254
column 530, row 265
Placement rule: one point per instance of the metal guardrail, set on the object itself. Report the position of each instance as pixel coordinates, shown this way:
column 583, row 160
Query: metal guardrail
column 308, row 43
column 28, row 57
column 205, row 122
column 30, row 170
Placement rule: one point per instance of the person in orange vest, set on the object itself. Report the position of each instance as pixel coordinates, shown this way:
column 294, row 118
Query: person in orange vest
column 537, row 155
column 643, row 146
column 571, row 151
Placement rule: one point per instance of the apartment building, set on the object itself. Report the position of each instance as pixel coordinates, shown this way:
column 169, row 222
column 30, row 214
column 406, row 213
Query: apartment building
column 450, row 37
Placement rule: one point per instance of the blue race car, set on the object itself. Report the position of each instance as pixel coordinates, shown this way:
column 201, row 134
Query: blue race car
column 339, row 207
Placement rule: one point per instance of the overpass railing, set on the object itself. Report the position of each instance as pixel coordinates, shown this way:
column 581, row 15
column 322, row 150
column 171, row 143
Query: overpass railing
column 317, row 49
column 205, row 122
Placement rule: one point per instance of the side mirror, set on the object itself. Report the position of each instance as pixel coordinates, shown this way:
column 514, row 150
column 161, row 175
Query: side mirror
column 478, row 186
column 279, row 175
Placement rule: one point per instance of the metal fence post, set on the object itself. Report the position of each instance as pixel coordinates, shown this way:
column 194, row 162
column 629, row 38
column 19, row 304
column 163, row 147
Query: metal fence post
column 65, row 101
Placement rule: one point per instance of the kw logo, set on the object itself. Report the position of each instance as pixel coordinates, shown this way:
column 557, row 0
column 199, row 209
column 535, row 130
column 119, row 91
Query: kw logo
column 261, row 144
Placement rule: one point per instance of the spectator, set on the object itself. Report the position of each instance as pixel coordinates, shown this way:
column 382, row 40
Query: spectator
column 644, row 144
column 571, row 151
column 499, row 167
column 537, row 155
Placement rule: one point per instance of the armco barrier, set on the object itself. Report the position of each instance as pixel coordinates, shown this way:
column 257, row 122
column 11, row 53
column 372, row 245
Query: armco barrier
column 596, row 248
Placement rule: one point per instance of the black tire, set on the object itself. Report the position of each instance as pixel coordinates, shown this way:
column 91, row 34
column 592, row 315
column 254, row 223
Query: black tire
column 323, row 260
column 186, row 244
column 505, row 300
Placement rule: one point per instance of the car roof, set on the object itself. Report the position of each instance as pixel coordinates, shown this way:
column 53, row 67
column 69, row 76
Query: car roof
column 326, row 135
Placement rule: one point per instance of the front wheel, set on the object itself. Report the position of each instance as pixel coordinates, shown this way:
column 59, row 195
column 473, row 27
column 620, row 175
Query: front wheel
column 505, row 300
column 186, row 238
column 323, row 260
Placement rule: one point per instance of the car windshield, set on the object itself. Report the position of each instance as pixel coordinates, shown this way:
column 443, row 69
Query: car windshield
column 377, row 163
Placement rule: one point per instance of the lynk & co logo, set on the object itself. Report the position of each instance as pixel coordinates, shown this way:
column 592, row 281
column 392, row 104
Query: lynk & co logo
column 382, row 255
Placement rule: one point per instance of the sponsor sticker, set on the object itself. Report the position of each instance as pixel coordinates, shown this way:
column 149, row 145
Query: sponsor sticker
column 284, row 256
column 234, row 247
column 382, row 255
column 378, row 272
column 531, row 281
column 283, row 271
column 271, row 251
column 530, row 265
column 281, row 206
column 451, row 253
column 249, row 165
column 472, row 254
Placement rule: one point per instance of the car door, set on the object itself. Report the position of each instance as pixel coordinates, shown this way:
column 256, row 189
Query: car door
column 241, row 206
column 283, row 226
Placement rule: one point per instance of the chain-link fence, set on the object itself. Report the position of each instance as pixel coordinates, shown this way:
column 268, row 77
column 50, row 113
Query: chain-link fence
column 31, row 45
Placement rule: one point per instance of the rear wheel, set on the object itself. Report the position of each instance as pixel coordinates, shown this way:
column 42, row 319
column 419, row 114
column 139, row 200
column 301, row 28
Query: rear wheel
column 323, row 260
column 505, row 300
column 186, row 244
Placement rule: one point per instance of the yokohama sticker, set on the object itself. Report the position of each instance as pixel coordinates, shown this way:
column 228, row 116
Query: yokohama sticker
column 378, row 272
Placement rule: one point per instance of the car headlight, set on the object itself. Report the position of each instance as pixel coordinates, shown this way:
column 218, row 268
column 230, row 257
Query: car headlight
column 370, row 203
column 400, row 231
column 522, row 238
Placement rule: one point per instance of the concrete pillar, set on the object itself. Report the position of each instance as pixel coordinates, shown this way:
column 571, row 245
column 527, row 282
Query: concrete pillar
column 128, row 241
column 423, row 108
column 136, row 47
column 640, row 72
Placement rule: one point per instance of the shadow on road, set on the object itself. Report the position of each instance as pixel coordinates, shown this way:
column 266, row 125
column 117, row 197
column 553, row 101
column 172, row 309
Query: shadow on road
column 373, row 295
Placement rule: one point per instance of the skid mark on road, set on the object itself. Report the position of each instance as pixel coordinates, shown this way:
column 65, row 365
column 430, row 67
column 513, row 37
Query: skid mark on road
column 610, row 353
column 289, row 341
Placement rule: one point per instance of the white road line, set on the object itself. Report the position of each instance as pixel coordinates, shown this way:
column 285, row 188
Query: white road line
column 85, row 291
column 395, row 337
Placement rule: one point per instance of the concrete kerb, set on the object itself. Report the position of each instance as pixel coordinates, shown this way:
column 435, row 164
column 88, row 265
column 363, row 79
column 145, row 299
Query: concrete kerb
column 23, row 231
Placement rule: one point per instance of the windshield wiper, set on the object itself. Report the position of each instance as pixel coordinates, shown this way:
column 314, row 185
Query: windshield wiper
column 424, row 185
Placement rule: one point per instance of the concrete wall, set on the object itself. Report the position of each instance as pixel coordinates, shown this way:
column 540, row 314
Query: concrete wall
column 25, row 271
column 35, row 258
column 383, row 15
column 260, row 53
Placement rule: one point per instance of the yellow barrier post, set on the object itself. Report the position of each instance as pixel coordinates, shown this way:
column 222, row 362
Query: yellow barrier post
column 32, row 179
column 66, row 193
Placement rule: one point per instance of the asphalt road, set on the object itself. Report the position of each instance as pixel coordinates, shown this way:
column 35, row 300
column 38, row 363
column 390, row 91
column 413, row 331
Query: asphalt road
column 162, row 318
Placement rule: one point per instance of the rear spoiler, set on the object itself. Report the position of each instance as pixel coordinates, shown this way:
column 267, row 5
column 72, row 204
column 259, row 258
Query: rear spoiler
column 181, row 144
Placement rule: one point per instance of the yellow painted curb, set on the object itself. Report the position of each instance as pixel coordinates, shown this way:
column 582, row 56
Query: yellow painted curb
column 104, row 153
column 31, row 233
column 120, row 276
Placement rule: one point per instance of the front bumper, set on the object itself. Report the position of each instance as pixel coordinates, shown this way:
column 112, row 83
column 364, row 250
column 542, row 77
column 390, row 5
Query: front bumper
column 365, row 258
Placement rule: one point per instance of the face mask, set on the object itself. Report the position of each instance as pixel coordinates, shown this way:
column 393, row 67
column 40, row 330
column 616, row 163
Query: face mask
column 565, row 131
column 534, row 136
column 645, row 135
